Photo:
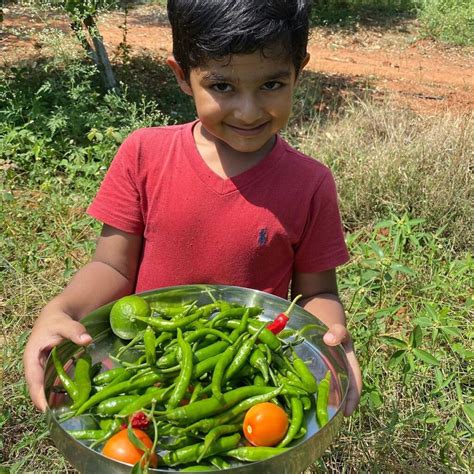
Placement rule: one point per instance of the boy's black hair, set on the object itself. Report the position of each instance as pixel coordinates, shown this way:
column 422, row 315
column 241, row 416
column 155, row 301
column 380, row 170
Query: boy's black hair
column 215, row 29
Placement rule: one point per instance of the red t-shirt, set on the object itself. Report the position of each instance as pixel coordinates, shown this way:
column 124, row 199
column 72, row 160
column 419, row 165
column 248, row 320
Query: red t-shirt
column 253, row 230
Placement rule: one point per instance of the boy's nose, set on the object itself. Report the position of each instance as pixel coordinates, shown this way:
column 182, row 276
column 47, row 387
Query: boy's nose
column 248, row 111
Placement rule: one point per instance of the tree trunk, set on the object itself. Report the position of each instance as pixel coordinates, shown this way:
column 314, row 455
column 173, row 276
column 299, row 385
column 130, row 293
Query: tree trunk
column 79, row 32
column 101, row 54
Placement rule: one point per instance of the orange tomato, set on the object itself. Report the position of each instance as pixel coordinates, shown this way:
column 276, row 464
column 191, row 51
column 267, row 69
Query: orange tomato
column 121, row 448
column 265, row 424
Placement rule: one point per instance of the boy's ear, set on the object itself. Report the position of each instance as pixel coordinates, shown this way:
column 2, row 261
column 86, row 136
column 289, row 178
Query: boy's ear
column 179, row 74
column 303, row 64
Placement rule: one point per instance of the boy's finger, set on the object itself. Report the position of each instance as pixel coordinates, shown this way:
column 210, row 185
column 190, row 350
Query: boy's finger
column 34, row 374
column 76, row 332
column 355, row 384
column 336, row 334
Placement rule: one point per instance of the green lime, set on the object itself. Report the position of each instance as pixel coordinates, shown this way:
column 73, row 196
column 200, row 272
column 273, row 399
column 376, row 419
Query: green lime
column 123, row 313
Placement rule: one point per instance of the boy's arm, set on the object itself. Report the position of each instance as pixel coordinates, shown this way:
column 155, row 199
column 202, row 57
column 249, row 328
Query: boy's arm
column 110, row 275
column 320, row 297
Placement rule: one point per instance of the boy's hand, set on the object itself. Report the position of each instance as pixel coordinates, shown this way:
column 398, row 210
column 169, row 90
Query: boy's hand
column 49, row 330
column 338, row 334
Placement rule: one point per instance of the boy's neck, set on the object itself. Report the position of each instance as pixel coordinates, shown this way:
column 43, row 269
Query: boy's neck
column 224, row 160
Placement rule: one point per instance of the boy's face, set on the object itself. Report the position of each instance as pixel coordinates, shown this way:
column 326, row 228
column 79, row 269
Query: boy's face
column 243, row 102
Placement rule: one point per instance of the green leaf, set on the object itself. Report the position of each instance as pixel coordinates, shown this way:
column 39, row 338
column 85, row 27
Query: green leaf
column 395, row 342
column 462, row 351
column 468, row 409
column 396, row 358
column 451, row 424
column 423, row 321
column 416, row 336
column 397, row 267
column 376, row 399
column 384, row 224
column 425, row 357
column 133, row 438
column 458, row 391
column 451, row 331
column 377, row 250
column 137, row 468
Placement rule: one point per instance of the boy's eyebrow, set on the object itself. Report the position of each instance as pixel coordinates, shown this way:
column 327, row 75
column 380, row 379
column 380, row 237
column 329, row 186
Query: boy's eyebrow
column 215, row 76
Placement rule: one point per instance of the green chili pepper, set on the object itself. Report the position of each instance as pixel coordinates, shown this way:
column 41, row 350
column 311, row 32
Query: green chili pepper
column 169, row 359
column 206, row 365
column 200, row 333
column 219, row 369
column 68, row 384
column 296, row 422
column 259, row 453
column 82, row 379
column 219, row 463
column 178, row 442
column 211, row 350
column 307, row 378
column 266, row 336
column 122, row 377
column 306, row 403
column 113, row 405
column 323, row 399
column 149, row 339
column 188, row 414
column 199, row 468
column 165, row 325
column 242, row 327
column 114, row 427
column 154, row 394
column 234, row 313
column 106, row 377
column 209, row 423
column 302, row 432
column 258, row 380
column 182, row 382
column 216, row 433
column 242, row 355
column 87, row 434
column 259, row 362
column 196, row 392
column 163, row 337
column 122, row 387
column 191, row 453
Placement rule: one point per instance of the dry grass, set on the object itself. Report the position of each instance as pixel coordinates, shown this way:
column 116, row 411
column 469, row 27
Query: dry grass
column 388, row 160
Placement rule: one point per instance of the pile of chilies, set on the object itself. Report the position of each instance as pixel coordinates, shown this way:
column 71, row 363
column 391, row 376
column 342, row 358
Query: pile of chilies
column 199, row 369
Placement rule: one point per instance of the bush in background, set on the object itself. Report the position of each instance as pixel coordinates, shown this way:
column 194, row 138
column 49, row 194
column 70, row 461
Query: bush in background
column 56, row 121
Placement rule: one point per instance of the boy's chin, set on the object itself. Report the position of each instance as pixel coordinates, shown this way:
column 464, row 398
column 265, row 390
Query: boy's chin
column 249, row 145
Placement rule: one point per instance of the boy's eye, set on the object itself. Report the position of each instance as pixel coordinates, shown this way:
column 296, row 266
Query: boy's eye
column 272, row 85
column 221, row 87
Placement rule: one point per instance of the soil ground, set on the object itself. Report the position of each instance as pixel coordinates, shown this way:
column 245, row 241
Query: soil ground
column 389, row 58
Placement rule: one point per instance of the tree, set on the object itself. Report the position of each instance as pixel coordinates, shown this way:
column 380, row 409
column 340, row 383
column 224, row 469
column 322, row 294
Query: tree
column 83, row 15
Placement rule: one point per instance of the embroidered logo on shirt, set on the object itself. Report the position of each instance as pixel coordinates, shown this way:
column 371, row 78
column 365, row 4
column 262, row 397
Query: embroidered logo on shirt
column 262, row 237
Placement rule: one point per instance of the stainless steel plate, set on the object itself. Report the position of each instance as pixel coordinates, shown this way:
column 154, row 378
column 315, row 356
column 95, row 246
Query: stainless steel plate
column 321, row 357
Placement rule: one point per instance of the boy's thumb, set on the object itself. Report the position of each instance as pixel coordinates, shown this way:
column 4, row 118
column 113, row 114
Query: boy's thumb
column 77, row 333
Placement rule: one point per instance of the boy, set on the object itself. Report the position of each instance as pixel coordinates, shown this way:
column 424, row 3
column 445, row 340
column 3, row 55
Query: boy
column 220, row 200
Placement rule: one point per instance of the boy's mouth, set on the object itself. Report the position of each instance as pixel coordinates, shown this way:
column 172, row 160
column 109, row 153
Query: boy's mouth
column 248, row 131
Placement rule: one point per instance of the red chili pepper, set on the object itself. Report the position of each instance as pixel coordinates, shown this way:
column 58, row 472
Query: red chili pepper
column 139, row 420
column 282, row 319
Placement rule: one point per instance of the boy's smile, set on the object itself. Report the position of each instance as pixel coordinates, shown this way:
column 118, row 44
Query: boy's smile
column 242, row 104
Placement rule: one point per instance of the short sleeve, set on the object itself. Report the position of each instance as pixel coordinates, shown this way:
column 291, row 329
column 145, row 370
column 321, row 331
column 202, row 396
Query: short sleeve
column 322, row 246
column 117, row 202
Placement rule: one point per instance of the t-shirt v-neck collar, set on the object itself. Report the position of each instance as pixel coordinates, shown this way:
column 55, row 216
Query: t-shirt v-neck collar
column 228, row 185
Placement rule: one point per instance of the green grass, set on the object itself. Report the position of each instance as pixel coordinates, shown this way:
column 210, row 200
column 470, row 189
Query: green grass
column 405, row 190
column 450, row 21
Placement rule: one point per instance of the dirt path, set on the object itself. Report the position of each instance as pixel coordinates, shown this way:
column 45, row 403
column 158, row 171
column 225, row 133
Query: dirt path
column 391, row 61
